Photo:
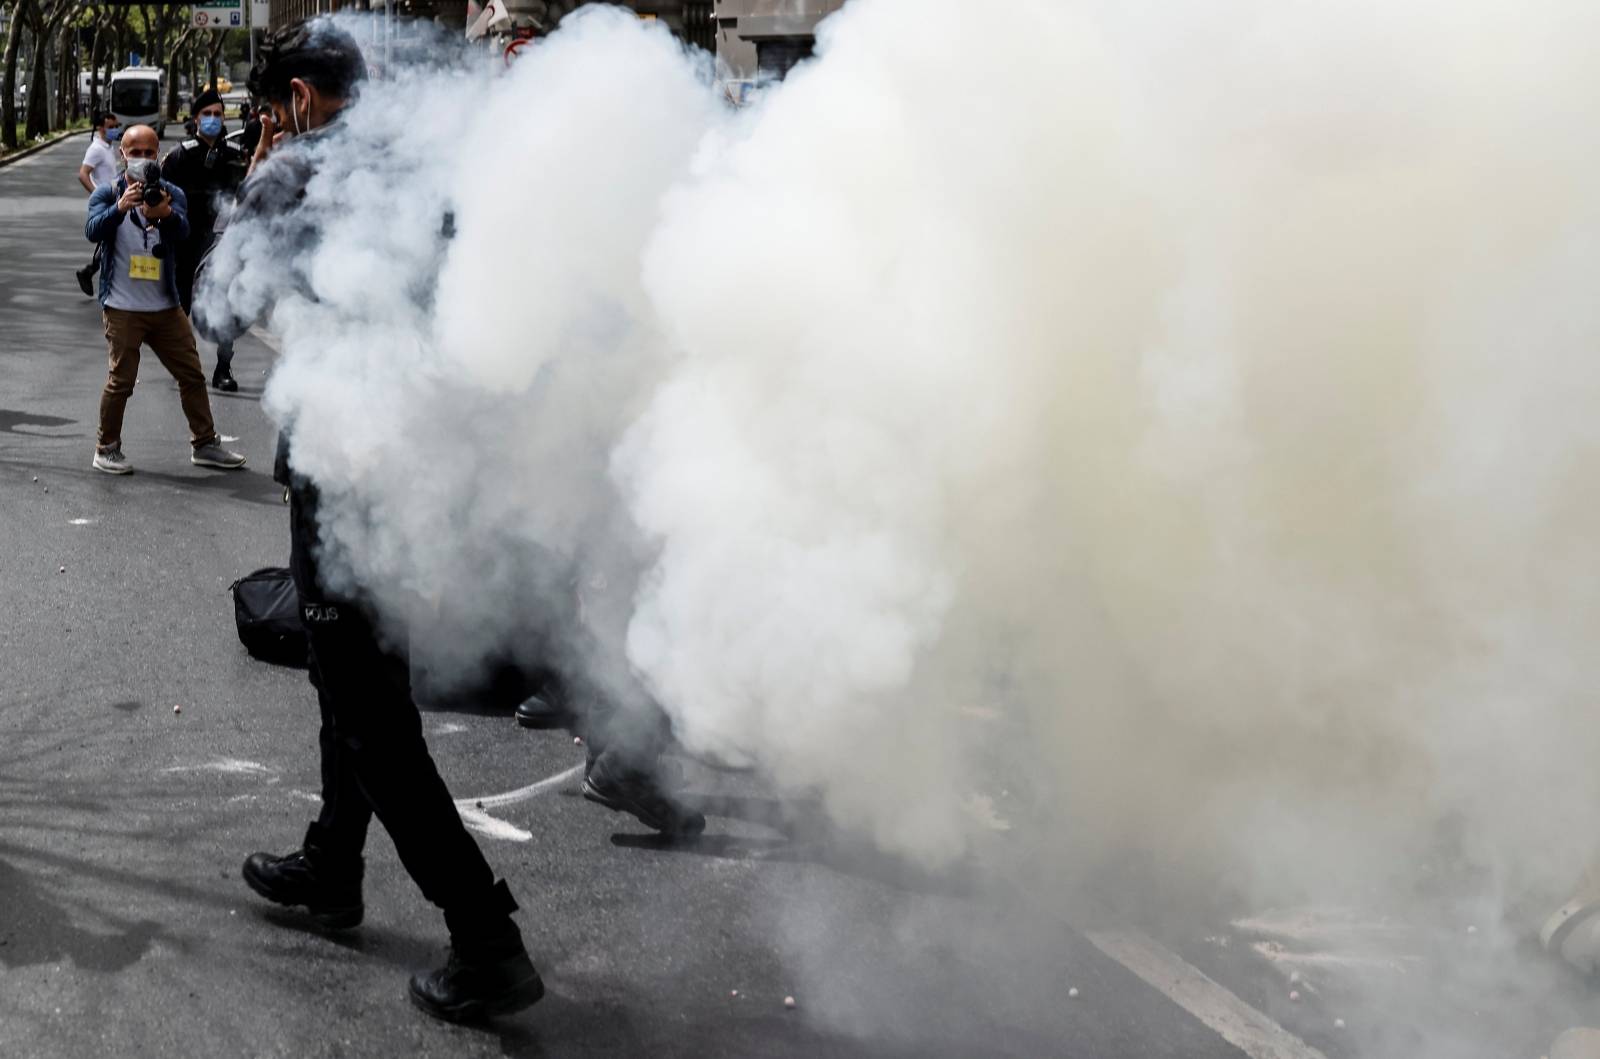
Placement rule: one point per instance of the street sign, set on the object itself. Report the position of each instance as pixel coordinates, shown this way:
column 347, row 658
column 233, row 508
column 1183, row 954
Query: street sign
column 219, row 14
column 260, row 13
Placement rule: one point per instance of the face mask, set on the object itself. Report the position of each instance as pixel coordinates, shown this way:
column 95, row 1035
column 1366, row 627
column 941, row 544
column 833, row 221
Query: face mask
column 113, row 135
column 210, row 125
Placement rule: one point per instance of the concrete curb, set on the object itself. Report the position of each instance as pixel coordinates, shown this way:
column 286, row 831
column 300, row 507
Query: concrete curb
column 18, row 156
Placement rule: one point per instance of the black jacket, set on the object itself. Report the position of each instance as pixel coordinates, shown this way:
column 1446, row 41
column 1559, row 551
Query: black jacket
column 209, row 175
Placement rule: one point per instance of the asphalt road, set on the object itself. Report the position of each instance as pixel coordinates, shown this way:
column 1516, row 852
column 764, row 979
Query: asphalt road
column 124, row 926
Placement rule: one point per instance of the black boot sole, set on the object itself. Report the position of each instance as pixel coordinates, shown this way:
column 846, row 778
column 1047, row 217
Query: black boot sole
column 691, row 828
column 343, row 918
column 545, row 721
column 524, row 994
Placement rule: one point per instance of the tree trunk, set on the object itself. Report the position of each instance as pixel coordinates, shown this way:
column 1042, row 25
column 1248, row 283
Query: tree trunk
column 172, row 85
column 38, row 119
column 214, row 54
column 8, row 81
column 66, row 80
column 97, row 45
column 177, row 61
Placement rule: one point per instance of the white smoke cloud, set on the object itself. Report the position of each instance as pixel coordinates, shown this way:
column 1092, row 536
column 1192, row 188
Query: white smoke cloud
column 1203, row 392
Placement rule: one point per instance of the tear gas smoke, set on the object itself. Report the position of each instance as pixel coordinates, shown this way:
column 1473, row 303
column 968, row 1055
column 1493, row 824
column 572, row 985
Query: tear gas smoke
column 1203, row 393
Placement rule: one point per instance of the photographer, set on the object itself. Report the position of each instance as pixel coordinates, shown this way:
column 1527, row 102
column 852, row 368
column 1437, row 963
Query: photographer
column 209, row 169
column 139, row 221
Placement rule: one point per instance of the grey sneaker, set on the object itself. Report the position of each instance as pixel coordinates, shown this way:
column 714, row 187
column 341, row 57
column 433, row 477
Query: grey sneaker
column 214, row 455
column 112, row 462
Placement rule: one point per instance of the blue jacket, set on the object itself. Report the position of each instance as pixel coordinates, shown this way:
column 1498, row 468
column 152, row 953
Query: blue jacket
column 104, row 217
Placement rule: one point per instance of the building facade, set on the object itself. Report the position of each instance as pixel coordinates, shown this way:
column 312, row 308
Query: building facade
column 754, row 40
column 758, row 40
column 693, row 20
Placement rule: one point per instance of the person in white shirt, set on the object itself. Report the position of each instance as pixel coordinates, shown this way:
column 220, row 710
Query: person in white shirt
column 99, row 168
column 100, row 160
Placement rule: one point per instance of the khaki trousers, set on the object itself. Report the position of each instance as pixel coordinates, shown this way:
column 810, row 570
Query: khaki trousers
column 168, row 334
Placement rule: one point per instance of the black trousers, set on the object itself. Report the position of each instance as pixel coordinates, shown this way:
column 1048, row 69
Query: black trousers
column 375, row 761
column 188, row 261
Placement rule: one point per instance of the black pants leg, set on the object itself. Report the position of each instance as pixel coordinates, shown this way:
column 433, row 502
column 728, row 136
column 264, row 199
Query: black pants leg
column 374, row 758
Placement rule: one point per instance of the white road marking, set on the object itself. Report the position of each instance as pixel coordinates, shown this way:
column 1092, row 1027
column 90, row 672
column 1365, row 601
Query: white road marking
column 1321, row 924
column 267, row 338
column 1230, row 1018
column 1288, row 961
column 80, row 522
column 1331, row 941
column 491, row 826
column 449, row 728
column 473, row 812
column 229, row 765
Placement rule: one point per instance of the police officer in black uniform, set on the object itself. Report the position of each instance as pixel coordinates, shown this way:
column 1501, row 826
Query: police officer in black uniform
column 209, row 169
column 375, row 761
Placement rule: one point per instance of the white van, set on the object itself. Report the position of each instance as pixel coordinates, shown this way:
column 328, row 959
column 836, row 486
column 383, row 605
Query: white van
column 135, row 97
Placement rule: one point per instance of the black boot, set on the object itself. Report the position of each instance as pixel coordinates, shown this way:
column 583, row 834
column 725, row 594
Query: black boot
column 543, row 711
column 222, row 379
column 488, row 971
column 328, row 886
column 641, row 793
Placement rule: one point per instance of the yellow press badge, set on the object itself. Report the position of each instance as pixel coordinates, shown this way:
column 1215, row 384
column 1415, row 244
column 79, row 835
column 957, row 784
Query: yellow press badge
column 143, row 266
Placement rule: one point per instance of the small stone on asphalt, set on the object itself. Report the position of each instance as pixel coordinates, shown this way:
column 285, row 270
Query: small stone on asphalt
column 788, row 1002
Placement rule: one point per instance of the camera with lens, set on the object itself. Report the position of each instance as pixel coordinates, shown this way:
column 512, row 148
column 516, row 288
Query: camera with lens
column 145, row 171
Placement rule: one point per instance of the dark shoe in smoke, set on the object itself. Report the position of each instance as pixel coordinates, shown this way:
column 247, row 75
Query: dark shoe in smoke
column 543, row 711
column 222, row 379
column 331, row 894
column 643, row 796
column 472, row 986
